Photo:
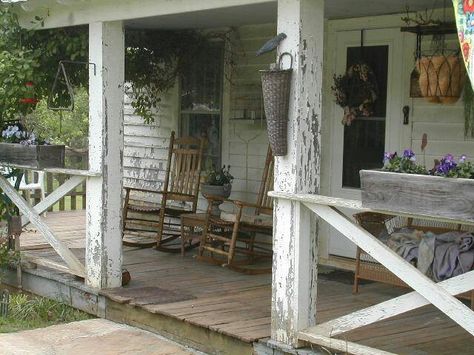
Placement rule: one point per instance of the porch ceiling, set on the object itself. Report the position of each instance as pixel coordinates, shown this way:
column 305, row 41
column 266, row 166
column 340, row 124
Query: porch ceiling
column 267, row 12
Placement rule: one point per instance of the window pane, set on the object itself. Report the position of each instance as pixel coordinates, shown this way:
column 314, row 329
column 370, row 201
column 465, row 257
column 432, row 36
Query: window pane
column 201, row 92
column 207, row 127
column 201, row 84
column 364, row 140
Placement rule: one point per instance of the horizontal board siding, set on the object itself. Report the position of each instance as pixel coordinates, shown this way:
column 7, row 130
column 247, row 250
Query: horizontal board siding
column 443, row 123
column 146, row 145
column 247, row 141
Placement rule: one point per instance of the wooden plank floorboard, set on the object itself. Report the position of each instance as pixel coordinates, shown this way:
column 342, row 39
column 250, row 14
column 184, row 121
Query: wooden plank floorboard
column 238, row 305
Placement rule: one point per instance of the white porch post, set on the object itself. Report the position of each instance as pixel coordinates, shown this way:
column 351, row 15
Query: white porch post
column 295, row 230
column 104, row 193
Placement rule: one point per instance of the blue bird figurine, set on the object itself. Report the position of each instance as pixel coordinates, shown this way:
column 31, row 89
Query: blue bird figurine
column 271, row 44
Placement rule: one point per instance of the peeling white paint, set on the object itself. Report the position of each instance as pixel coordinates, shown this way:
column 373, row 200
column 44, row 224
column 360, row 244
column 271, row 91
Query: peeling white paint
column 104, row 193
column 295, row 233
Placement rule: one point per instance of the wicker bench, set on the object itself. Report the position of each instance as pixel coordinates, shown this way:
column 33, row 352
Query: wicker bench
column 367, row 268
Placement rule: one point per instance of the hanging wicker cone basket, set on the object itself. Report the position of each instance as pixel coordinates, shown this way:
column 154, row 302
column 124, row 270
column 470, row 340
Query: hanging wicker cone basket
column 441, row 78
column 276, row 84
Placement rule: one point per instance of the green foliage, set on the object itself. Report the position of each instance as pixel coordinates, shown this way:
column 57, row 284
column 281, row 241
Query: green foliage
column 8, row 257
column 70, row 130
column 32, row 56
column 28, row 312
column 464, row 170
column 7, row 207
column 219, row 177
column 153, row 62
column 403, row 164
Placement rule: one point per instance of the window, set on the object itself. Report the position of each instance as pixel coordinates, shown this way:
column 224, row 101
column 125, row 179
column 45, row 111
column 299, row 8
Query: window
column 201, row 104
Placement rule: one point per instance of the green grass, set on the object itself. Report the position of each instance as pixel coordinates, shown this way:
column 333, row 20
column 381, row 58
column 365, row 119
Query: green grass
column 29, row 312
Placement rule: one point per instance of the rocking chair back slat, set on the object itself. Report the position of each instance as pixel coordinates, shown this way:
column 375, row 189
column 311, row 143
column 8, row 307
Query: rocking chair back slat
column 185, row 166
column 263, row 200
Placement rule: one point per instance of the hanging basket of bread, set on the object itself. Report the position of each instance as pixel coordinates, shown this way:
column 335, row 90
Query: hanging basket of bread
column 276, row 84
column 442, row 77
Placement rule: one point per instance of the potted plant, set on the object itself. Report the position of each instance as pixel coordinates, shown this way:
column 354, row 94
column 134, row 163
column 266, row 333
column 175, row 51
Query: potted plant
column 446, row 191
column 20, row 147
column 217, row 183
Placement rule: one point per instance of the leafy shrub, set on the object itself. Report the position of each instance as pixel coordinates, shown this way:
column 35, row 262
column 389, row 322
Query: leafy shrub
column 71, row 130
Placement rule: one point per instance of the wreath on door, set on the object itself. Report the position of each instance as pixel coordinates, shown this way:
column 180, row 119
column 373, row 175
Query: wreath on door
column 356, row 92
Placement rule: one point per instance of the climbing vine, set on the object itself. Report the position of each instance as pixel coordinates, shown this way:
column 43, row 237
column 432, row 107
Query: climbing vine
column 154, row 59
column 28, row 62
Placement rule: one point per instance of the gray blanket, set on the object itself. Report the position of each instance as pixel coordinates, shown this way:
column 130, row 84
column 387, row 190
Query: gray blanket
column 439, row 256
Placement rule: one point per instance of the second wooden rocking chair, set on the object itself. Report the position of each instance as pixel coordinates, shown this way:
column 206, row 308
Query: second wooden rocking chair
column 232, row 239
column 153, row 217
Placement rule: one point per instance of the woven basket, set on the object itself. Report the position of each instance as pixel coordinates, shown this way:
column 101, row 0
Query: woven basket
column 276, row 84
column 441, row 78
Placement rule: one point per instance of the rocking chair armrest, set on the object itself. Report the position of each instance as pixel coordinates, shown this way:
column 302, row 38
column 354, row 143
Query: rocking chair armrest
column 238, row 203
column 246, row 204
column 217, row 198
column 143, row 190
column 176, row 193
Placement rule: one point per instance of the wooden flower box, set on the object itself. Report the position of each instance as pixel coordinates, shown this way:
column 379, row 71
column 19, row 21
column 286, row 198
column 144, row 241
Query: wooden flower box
column 34, row 156
column 420, row 194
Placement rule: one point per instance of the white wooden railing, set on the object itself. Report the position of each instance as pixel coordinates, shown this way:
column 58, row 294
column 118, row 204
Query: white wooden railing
column 33, row 215
column 425, row 292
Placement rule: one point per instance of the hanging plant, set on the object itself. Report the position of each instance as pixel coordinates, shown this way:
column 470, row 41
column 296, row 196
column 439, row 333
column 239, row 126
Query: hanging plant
column 356, row 92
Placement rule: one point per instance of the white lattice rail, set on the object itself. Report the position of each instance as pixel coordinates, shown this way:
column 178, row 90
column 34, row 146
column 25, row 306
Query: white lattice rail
column 32, row 215
column 426, row 291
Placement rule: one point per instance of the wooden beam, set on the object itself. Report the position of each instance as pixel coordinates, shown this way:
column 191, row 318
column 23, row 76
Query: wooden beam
column 355, row 205
column 104, row 192
column 29, row 258
column 76, row 13
column 391, row 308
column 345, row 346
column 71, row 260
column 55, row 170
column 55, row 196
column 435, row 294
column 295, row 245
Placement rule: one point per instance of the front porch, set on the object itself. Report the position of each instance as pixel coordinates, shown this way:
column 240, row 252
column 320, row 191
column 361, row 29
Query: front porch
column 218, row 310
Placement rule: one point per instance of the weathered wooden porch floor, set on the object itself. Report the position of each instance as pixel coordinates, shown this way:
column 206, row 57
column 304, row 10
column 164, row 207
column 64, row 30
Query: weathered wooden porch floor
column 225, row 302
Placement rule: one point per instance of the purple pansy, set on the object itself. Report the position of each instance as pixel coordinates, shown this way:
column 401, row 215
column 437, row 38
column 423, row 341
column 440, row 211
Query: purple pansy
column 446, row 165
column 409, row 154
column 388, row 156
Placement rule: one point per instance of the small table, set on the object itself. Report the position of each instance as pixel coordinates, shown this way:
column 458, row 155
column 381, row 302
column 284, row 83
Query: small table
column 192, row 226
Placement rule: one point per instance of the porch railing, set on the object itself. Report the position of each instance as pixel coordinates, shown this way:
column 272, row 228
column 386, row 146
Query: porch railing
column 73, row 200
column 290, row 329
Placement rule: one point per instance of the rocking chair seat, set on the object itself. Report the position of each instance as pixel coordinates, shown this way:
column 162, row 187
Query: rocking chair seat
column 175, row 212
column 258, row 220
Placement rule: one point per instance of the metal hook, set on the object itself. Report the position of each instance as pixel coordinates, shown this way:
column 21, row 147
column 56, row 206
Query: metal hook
column 62, row 69
column 281, row 57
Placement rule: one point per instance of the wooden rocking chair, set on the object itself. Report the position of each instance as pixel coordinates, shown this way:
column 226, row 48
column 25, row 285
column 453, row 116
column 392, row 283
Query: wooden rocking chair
column 153, row 217
column 237, row 233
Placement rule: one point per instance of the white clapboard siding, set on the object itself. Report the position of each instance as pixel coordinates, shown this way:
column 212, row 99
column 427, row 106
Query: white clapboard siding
column 245, row 142
column 146, row 145
column 443, row 123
